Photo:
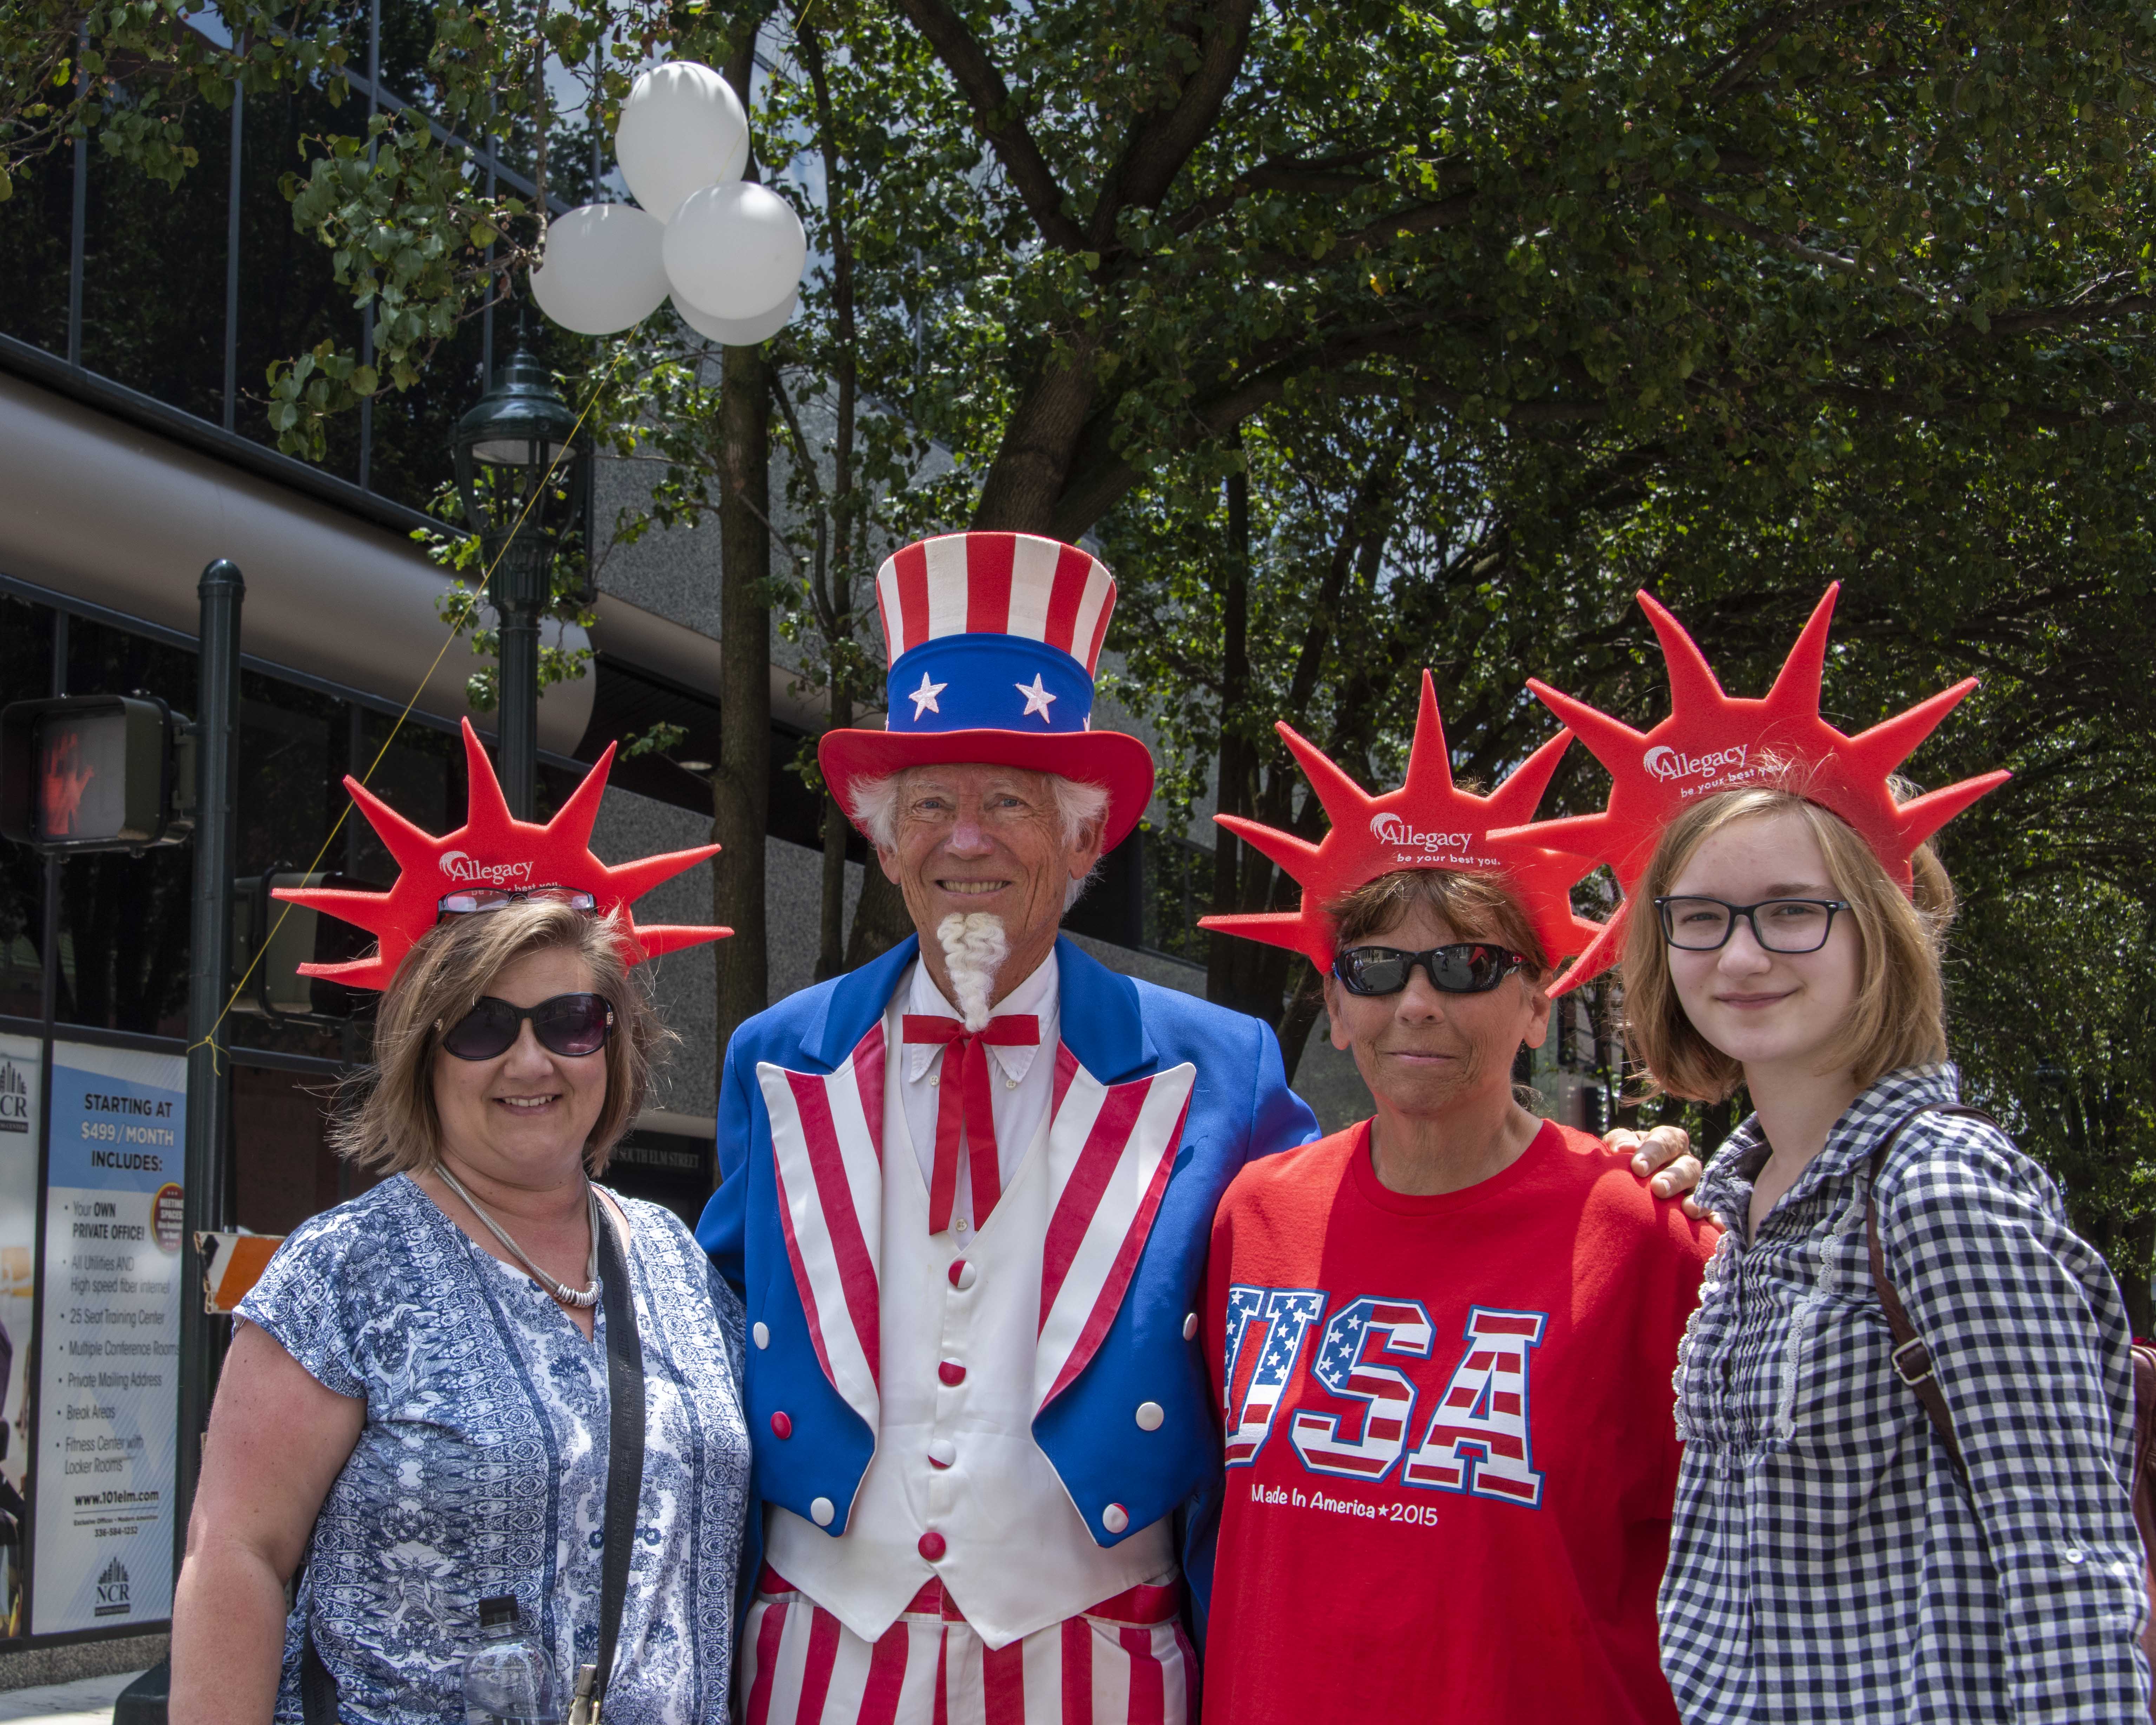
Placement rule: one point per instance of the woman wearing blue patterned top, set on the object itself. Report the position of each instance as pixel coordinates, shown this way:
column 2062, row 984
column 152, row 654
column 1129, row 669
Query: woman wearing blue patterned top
column 416, row 1400
column 1832, row 1558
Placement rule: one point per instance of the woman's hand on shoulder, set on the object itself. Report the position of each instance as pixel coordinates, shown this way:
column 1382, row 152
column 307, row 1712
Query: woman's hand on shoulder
column 1662, row 1157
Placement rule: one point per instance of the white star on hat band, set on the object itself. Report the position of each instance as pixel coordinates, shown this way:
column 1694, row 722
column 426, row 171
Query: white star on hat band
column 1037, row 698
column 924, row 697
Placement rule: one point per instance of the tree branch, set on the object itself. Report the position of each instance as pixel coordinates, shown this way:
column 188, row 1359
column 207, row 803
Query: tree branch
column 1092, row 491
column 1899, row 404
column 1160, row 143
column 1765, row 236
column 1401, row 224
column 995, row 113
column 1739, row 65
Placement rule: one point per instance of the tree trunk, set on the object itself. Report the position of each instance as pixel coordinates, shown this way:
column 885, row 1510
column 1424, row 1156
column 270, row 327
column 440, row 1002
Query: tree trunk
column 1301, row 1017
column 1231, row 787
column 831, row 951
column 834, row 570
column 741, row 786
column 1026, row 480
column 881, row 920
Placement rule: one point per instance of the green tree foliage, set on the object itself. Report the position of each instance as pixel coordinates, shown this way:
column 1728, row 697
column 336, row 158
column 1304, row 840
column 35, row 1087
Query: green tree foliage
column 1370, row 335
column 126, row 71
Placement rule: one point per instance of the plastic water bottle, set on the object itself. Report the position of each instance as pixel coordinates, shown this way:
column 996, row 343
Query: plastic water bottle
column 510, row 1680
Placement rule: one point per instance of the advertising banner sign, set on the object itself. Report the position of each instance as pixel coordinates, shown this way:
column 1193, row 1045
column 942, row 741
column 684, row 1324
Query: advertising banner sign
column 22, row 1069
column 108, row 1381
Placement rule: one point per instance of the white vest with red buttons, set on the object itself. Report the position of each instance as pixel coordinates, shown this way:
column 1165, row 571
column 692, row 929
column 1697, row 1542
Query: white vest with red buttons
column 956, row 1460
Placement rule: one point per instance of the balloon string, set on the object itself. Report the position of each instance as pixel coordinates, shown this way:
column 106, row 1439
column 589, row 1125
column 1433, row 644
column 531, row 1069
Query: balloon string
column 209, row 1040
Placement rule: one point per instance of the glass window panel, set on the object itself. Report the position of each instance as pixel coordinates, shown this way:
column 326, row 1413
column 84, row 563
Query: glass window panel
column 292, row 745
column 123, row 945
column 283, row 1169
column 33, row 252
column 289, row 299
column 26, row 649
column 410, row 459
column 153, row 272
column 422, row 778
column 408, row 37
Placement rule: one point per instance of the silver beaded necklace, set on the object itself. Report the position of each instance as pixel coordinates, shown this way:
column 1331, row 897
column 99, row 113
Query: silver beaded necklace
column 586, row 1297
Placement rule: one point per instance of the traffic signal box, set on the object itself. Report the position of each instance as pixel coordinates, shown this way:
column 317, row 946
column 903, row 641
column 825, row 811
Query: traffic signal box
column 90, row 772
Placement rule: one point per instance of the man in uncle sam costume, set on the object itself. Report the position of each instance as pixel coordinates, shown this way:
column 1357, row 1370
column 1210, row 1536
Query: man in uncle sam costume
column 965, row 1193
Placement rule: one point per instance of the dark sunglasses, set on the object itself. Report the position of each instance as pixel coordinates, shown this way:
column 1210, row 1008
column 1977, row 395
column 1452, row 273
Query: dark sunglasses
column 474, row 900
column 569, row 1024
column 1467, row 967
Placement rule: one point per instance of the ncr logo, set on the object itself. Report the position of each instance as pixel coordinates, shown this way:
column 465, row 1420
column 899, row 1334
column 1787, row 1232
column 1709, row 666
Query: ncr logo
column 15, row 1099
column 112, row 1592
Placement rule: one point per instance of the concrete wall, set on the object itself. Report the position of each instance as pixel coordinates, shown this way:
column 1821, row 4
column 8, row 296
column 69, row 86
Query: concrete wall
column 630, row 825
column 1324, row 1077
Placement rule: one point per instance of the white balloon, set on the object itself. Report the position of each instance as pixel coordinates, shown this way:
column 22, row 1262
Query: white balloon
column 735, row 251
column 739, row 331
column 603, row 271
column 682, row 129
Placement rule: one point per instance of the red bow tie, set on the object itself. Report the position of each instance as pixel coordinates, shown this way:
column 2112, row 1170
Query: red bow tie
column 964, row 1108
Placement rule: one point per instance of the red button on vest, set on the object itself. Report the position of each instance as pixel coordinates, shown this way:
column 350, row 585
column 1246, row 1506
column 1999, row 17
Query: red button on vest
column 931, row 1546
column 781, row 1425
column 952, row 1373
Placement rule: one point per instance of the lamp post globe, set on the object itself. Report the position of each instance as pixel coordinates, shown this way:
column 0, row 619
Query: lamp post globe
column 514, row 453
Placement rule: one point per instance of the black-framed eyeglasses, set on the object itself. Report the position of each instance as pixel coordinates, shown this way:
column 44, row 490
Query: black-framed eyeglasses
column 1779, row 925
column 572, row 1025
column 1465, row 967
column 474, row 900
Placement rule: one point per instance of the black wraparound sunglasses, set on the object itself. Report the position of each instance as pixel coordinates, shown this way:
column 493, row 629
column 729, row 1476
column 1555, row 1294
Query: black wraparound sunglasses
column 1465, row 967
column 572, row 1025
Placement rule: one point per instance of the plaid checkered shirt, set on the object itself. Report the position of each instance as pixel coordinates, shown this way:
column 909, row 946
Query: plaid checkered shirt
column 1828, row 1560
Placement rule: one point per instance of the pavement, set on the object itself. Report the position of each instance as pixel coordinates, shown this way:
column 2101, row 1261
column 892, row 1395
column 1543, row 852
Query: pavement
column 87, row 1700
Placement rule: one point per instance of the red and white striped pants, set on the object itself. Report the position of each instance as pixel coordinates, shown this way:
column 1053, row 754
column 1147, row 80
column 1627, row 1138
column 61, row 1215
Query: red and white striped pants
column 1124, row 1662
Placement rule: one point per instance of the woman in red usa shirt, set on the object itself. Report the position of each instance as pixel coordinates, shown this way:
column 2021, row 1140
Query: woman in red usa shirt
column 1444, row 1338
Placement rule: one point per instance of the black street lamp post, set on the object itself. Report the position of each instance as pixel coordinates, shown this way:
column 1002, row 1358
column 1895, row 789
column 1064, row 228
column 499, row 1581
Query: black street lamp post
column 514, row 455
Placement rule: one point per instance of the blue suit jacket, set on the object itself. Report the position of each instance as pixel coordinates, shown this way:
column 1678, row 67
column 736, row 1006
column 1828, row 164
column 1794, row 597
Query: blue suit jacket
column 1120, row 1030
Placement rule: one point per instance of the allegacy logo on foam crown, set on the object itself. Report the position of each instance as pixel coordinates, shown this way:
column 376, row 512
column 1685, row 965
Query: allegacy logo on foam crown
column 1666, row 763
column 1392, row 829
column 468, row 871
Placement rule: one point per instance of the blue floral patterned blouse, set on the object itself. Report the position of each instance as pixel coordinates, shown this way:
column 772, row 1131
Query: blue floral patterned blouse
column 481, row 1469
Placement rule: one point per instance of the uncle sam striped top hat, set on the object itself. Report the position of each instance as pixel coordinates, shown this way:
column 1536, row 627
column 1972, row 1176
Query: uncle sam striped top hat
column 992, row 639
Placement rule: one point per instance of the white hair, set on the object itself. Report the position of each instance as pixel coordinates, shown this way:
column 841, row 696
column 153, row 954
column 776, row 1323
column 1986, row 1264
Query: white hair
column 874, row 808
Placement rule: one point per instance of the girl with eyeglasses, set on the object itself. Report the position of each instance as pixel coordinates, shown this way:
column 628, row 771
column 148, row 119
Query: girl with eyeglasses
column 1906, row 1398
column 416, row 1405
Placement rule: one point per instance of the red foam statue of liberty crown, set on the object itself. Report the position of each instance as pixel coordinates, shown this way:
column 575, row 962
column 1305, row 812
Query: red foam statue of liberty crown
column 493, row 848
column 1714, row 742
column 1427, row 823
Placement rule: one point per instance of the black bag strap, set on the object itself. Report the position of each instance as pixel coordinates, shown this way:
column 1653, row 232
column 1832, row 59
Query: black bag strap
column 625, row 1458
column 318, row 1685
column 1911, row 1359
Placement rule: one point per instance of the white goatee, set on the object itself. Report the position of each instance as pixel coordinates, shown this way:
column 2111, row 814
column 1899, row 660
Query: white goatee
column 974, row 947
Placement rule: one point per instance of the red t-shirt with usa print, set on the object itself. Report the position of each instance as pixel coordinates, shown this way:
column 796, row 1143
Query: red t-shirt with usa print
column 1451, row 1452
